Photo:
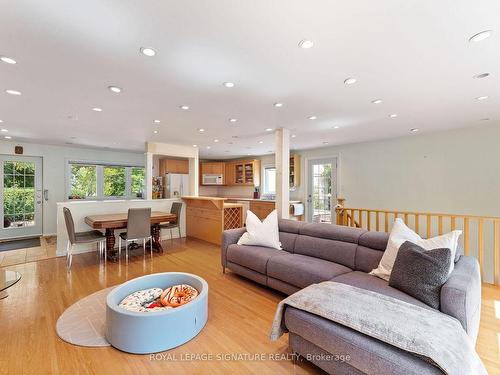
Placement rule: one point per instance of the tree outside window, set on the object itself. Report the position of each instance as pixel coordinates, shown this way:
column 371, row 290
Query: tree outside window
column 114, row 181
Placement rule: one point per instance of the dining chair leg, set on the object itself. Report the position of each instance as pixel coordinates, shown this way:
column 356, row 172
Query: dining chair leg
column 119, row 247
column 144, row 245
column 179, row 228
column 69, row 258
column 68, row 255
column 126, row 250
column 171, row 236
column 151, row 247
column 105, row 250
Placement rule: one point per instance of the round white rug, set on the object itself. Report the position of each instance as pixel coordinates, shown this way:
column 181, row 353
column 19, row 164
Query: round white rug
column 83, row 323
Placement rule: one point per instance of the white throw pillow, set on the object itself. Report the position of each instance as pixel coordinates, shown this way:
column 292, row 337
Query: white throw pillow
column 401, row 233
column 261, row 233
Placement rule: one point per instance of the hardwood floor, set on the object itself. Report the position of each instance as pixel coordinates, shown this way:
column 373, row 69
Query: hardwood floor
column 240, row 315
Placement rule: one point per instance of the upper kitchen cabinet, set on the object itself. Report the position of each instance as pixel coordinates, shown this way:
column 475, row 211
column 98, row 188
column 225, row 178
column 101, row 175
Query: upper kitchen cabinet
column 294, row 171
column 174, row 166
column 213, row 168
column 243, row 173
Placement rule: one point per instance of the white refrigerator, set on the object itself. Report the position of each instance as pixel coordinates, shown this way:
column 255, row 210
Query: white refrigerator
column 176, row 185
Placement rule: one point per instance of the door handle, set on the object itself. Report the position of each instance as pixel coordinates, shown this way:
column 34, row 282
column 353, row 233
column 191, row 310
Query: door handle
column 46, row 195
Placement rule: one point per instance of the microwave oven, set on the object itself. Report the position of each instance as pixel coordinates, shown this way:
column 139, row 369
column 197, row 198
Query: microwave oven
column 212, row 179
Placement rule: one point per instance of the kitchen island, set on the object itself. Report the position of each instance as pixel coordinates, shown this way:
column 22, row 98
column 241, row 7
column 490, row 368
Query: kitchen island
column 263, row 207
column 208, row 217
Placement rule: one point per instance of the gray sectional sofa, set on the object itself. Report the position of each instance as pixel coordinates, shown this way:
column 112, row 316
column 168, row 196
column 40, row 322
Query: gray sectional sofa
column 318, row 252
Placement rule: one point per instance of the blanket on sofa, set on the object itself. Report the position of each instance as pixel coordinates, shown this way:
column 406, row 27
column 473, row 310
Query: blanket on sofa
column 424, row 332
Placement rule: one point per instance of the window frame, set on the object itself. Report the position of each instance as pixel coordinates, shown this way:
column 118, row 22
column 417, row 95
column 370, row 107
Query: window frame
column 100, row 180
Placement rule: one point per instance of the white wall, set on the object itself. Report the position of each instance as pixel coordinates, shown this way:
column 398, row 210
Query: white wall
column 54, row 169
column 456, row 171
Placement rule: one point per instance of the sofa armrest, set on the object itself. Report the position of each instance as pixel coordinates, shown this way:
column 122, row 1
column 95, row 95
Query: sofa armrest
column 229, row 237
column 461, row 295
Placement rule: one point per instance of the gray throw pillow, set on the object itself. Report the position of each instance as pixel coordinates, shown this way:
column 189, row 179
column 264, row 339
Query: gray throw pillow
column 421, row 273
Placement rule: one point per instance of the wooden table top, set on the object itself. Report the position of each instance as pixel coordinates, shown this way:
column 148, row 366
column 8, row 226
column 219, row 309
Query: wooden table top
column 115, row 221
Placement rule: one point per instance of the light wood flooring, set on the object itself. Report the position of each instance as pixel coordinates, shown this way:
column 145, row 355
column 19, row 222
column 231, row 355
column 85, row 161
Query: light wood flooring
column 240, row 315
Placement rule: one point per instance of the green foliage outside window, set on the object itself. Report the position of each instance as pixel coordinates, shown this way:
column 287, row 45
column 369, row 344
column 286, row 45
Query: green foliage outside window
column 83, row 181
column 138, row 176
column 114, row 181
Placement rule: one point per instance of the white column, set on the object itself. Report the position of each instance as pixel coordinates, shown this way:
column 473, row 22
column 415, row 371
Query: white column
column 282, row 172
column 194, row 179
column 149, row 175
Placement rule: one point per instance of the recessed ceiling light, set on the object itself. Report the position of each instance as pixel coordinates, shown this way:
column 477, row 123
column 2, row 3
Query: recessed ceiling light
column 148, row 51
column 269, row 129
column 249, row 154
column 480, row 36
column 7, row 60
column 336, row 127
column 306, row 44
column 377, row 101
column 4, row 130
column 8, row 137
column 228, row 84
column 233, row 120
column 482, row 75
column 261, row 141
column 201, row 130
column 115, row 89
column 155, row 131
column 394, row 115
column 294, row 135
column 185, row 107
column 312, row 117
column 13, row 92
column 482, row 97
column 209, row 147
column 195, row 145
column 97, row 109
column 278, row 105
column 414, row 130
column 350, row 81
column 156, row 121
column 1, row 121
column 216, row 140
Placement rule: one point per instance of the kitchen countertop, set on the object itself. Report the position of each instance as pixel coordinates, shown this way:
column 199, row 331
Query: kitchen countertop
column 256, row 200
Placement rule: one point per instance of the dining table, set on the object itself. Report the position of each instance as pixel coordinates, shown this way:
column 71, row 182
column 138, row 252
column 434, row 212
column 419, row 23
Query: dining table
column 110, row 222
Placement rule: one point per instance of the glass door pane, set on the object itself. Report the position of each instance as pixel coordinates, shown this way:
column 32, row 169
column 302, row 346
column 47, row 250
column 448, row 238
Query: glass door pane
column 321, row 190
column 19, row 194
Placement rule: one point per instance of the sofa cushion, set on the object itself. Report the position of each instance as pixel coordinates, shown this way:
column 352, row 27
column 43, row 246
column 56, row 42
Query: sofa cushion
column 331, row 232
column 290, row 226
column 252, row 257
column 375, row 284
column 288, row 241
column 301, row 270
column 374, row 240
column 332, row 250
column 367, row 354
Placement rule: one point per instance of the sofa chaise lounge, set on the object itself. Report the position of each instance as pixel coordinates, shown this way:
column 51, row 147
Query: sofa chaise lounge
column 316, row 252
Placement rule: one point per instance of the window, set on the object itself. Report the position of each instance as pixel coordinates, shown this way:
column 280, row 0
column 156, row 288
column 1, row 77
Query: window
column 138, row 179
column 114, row 181
column 269, row 180
column 83, row 181
column 100, row 181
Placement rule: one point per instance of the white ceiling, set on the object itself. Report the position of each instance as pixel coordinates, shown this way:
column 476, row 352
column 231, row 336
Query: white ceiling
column 414, row 55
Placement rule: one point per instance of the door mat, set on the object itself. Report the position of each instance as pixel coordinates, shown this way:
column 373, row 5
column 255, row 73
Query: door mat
column 20, row 244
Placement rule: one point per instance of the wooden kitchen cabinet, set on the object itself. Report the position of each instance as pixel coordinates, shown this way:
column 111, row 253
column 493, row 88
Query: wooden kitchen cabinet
column 173, row 166
column 212, row 168
column 243, row 173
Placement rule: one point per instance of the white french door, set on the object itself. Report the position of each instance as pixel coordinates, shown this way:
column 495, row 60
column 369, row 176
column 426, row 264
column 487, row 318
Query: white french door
column 321, row 190
column 21, row 196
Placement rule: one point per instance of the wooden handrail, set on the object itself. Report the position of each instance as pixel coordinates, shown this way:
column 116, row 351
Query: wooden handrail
column 481, row 234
